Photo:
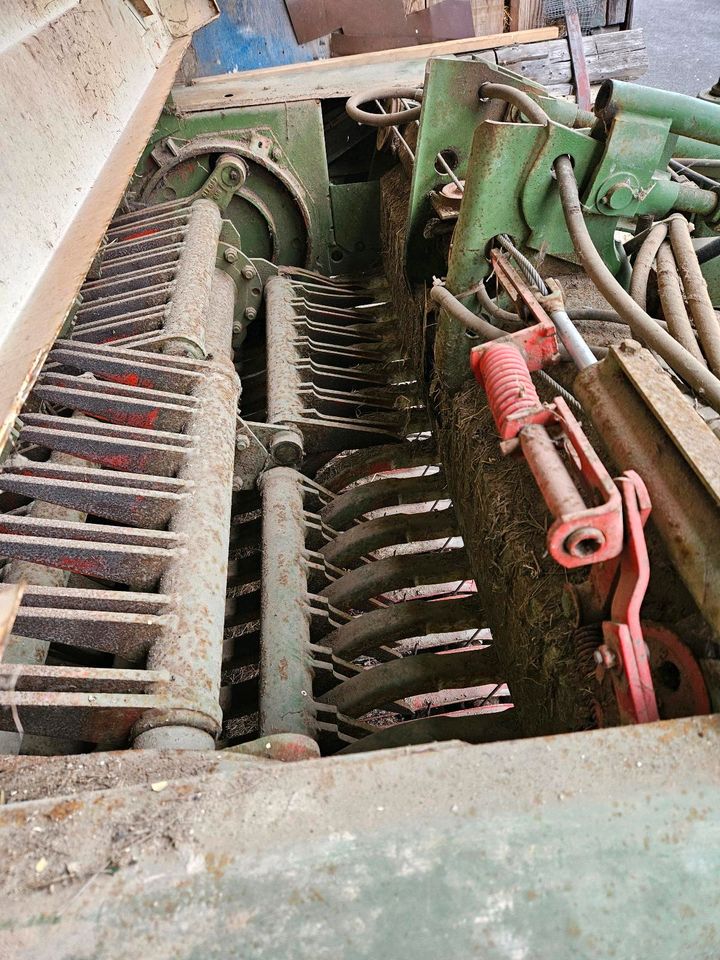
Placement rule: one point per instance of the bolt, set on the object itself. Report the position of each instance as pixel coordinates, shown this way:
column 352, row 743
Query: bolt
column 237, row 328
column 619, row 195
column 233, row 174
column 605, row 657
column 275, row 153
column 250, row 313
column 242, row 442
column 248, row 271
column 231, row 254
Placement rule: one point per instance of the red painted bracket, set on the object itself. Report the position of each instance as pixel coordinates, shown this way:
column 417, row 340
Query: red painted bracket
column 625, row 653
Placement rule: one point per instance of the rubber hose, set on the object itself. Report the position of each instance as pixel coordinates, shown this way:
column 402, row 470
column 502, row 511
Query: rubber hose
column 642, row 325
column 352, row 107
column 696, row 291
column 521, row 101
column 673, row 303
column 643, row 263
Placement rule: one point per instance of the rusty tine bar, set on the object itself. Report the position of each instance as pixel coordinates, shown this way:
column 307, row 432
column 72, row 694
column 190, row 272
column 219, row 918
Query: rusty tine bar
column 191, row 649
column 286, row 693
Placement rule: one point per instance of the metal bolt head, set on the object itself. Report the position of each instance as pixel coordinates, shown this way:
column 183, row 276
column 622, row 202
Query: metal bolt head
column 605, row 657
column 250, row 313
column 275, row 153
column 242, row 442
column 231, row 254
column 619, row 195
column 248, row 271
column 237, row 328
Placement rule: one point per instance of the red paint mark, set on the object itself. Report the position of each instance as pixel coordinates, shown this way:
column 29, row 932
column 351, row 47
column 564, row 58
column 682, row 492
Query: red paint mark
column 139, row 234
column 143, row 420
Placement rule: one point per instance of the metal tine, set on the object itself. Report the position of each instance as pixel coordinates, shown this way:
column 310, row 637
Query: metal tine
column 117, row 408
column 133, row 216
column 349, row 548
column 113, row 350
column 399, row 621
column 141, row 506
column 92, row 601
column 351, row 356
column 90, row 385
column 137, row 373
column 472, row 728
column 74, row 716
column 122, row 304
column 42, row 678
column 127, row 282
column 144, row 259
column 157, row 240
column 155, row 221
column 138, row 566
column 357, row 587
column 330, row 433
column 410, row 676
column 377, row 494
column 334, row 403
column 327, row 312
column 365, row 464
column 99, row 428
column 120, row 453
column 325, row 375
column 331, row 335
column 121, row 330
column 87, row 532
column 19, row 466
column 128, row 635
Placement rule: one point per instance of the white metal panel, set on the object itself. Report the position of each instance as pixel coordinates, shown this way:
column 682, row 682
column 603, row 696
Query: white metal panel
column 83, row 84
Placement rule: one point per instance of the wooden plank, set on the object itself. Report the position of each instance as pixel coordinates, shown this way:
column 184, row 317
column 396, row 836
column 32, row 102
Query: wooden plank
column 488, row 16
column 616, row 10
column 288, row 87
column 421, row 52
column 526, row 14
column 619, row 55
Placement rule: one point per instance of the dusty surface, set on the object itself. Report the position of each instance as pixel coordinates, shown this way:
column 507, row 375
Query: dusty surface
column 314, row 858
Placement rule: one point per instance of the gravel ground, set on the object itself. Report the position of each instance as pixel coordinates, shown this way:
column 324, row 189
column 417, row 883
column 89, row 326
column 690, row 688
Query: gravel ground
column 683, row 40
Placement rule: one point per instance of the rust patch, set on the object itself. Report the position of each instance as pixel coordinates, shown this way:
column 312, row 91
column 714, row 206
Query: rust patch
column 65, row 809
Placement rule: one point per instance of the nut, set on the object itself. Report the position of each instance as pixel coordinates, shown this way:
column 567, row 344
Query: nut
column 250, row 313
column 231, row 254
column 242, row 442
column 605, row 657
column 248, row 271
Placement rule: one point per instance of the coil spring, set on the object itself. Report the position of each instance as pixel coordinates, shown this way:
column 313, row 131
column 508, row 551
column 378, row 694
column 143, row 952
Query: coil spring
column 505, row 376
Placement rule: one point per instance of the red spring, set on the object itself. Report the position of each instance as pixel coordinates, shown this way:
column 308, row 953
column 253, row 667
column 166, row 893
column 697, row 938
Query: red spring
column 504, row 374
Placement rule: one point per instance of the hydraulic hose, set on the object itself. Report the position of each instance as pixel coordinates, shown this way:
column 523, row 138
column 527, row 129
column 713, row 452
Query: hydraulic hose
column 673, row 303
column 709, row 251
column 696, row 291
column 580, row 353
column 516, row 98
column 641, row 324
column 643, row 263
column 352, row 107
column 450, row 304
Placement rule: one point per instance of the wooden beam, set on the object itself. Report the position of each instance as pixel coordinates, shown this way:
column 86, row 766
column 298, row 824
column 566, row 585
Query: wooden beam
column 526, row 14
column 422, row 51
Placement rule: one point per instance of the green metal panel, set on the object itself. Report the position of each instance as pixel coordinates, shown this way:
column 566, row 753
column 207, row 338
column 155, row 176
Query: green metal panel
column 584, row 846
column 286, row 148
column 356, row 222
